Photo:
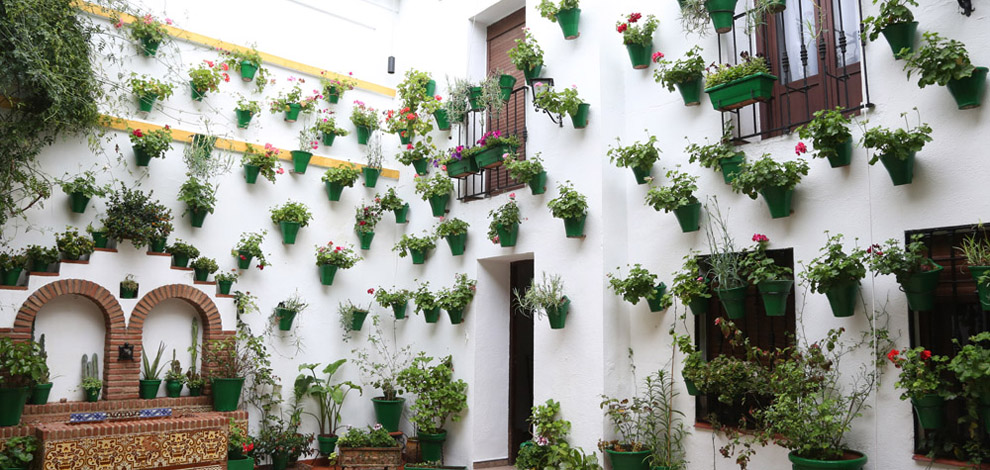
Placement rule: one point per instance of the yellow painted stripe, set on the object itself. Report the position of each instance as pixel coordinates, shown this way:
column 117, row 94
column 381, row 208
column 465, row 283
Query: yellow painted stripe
column 214, row 43
column 238, row 146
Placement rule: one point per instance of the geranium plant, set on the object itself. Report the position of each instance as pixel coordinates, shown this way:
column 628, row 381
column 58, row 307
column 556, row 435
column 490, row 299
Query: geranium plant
column 891, row 12
column 72, row 245
column 834, row 267
column 148, row 30
column 417, row 151
column 249, row 245
column 891, row 258
column 206, row 76
column 237, row 59
column 391, row 297
column 407, row 243
column 768, row 173
column 412, row 89
column 828, row 130
column 639, row 155
column 265, row 159
column 939, row 61
column 758, row 267
column 505, row 216
column 199, row 196
column 291, row 211
column 153, row 143
column 900, row 143
column 569, row 203
column 921, row 373
column 679, row 193
column 132, row 214
column 85, row 185
column 686, row 70
column 438, row 185
column 634, row 32
column 640, row 284
column 527, row 53
column 247, row 105
column 549, row 9
column 523, row 170
column 565, row 101
column 364, row 115
column 149, row 86
column 286, row 100
column 424, row 298
column 345, row 175
column 390, row 201
column 458, row 295
column 725, row 73
column 450, row 227
column 710, row 155
column 336, row 84
column 327, row 124
column 690, row 284
column 366, row 217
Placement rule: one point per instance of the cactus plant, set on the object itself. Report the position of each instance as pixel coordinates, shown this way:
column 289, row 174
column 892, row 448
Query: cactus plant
column 90, row 376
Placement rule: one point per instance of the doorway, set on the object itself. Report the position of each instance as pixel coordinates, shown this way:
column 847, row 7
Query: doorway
column 520, row 359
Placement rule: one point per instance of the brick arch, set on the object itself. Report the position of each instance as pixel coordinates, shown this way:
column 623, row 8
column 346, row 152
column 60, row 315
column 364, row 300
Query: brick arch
column 113, row 320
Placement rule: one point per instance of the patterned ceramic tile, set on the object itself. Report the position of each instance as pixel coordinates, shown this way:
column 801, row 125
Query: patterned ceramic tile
column 134, row 452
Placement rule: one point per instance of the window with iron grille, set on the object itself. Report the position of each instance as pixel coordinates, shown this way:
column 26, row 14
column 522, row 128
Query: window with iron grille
column 814, row 49
column 763, row 331
column 511, row 120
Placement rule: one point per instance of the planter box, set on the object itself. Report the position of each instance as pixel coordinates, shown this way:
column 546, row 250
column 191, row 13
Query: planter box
column 462, row 167
column 492, row 157
column 389, row 458
column 741, row 92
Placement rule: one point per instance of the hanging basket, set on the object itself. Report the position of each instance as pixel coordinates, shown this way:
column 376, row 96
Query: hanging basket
column 440, row 116
column 292, row 114
column 538, row 183
column 244, row 259
column 248, row 69
column 741, row 92
column 580, row 118
column 691, row 91
column 289, row 231
column 722, row 13
column 699, row 306
column 532, row 72
column 328, row 138
column 843, row 154
column 507, row 235
column 363, row 133
column 568, row 19
column 327, row 272
column 462, row 167
column 457, row 243
column 146, row 102
column 901, row 36
column 366, row 238
column 418, row 256
column 778, row 200
column 901, row 171
column 733, row 301
column 920, row 289
column 982, row 289
column 574, row 227
column 456, row 315
column 505, row 84
column 968, row 91
column 842, row 298
column 370, row 176
column 149, row 47
column 431, row 315
column 285, row 318
column 438, row 204
column 930, row 410
column 251, row 173
column 357, row 319
column 334, row 190
column 639, row 55
column 656, row 303
column 557, row 314
column 300, row 160
column 775, row 294
column 402, row 214
column 421, row 166
column 78, row 202
column 399, row 310
column 689, row 217
column 243, row 118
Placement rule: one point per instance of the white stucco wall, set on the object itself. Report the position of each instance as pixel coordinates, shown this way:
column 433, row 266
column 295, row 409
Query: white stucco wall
column 589, row 357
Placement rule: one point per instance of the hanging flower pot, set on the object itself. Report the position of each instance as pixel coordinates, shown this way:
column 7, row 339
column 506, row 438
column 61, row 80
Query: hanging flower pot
column 689, row 385
column 357, row 319
column 533, row 72
column 148, row 389
column 930, row 410
column 223, row 287
column 328, row 138
column 778, row 201
column 505, row 85
column 142, row 156
column 901, row 171
column 78, row 202
column 421, row 166
column 656, row 303
column 402, row 215
column 574, row 227
column 149, row 47
column 248, row 69
column 251, row 173
column 580, row 118
column 689, row 217
column 628, row 460
column 691, row 91
column 507, row 235
column 742, row 91
column 722, row 13
column 431, row 446
column 968, row 92
column 300, row 160
column 157, row 245
column 227, row 393
column 982, row 289
column 201, row 274
column 243, row 118
column 366, row 238
column 557, row 314
column 733, row 301
column 363, row 133
column 432, row 315
column 333, row 94
column 474, row 98
column 292, row 114
column 730, row 167
column 289, row 231
column 431, row 88
column 146, row 102
column 244, row 259
column 399, row 310
column 100, row 239
column 639, row 55
column 173, row 388
column 901, row 36
column 439, row 205
column 334, row 190
column 569, row 18
column 443, row 123
column 464, row 166
column 370, row 176
column 285, row 318
column 197, row 216
column 641, row 174
column 388, row 413
column 12, row 405
column 456, row 315
column 851, row 463
column 538, row 183
column 456, row 243
column 842, row 298
column 775, row 294
column 405, row 137
column 418, row 256
column 920, row 289
column 196, row 93
column 843, row 154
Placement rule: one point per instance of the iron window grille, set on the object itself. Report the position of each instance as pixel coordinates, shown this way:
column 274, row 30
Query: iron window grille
column 511, row 120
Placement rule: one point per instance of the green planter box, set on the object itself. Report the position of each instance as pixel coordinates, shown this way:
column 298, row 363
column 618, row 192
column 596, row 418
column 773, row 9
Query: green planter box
column 741, row 92
column 463, row 167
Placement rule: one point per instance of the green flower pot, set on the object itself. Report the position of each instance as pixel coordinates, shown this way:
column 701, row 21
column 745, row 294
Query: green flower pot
column 982, row 290
column 842, row 298
column 656, row 303
column 856, row 462
column 505, row 84
column 439, row 205
column 421, row 166
column 901, row 171
column 641, row 174
column 363, row 133
column 328, row 139
column 244, row 259
column 39, row 266
column 197, row 217
column 507, row 235
column 639, row 55
column 492, row 157
column 930, row 410
column 628, row 460
column 699, row 306
column 251, row 173
column 465, row 166
column 691, row 91
column 289, row 231
column 731, row 166
column 689, row 217
column 146, row 102
column 92, row 395
column 243, row 118
column 224, row 288
column 456, row 243
column 370, row 176
column 246, row 463
column 292, row 114
column 100, row 239
column 280, row 461
column 557, row 314
column 418, row 256
column 180, row 261
column 778, row 200
column 357, row 319
column 538, row 183
column 196, row 94
column 431, row 446
column 402, row 215
column 456, row 315
column 148, row 389
column 775, row 294
column 692, row 389
column 201, row 274
column 39, row 393
column 157, row 245
column 722, row 13
column 333, row 94
column 532, row 72
column 733, row 301
column 285, row 318
column 580, row 118
column 431, row 88
column 568, row 19
column 388, row 412
column 248, row 69
column 574, row 227
column 12, row 405
column 741, row 92
column 334, row 190
column 227, row 393
column 126, row 293
column 78, row 202
column 326, row 444
column 432, row 315
column 149, row 47
column 405, row 137
column 474, row 98
column 968, row 92
column 843, row 154
column 141, row 156
column 300, row 160
column 173, row 388
column 901, row 36
column 399, row 310
column 920, row 289
column 366, row 238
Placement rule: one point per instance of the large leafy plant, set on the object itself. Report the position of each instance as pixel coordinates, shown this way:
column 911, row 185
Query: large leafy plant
column 939, row 61
column 291, row 212
column 768, row 173
column 458, row 295
column 640, row 155
column 504, row 216
column 408, row 242
column 438, row 396
column 329, row 396
column 639, row 284
column 345, row 174
column 437, row 185
column 569, row 203
column 685, row 70
column 132, row 214
column 898, row 143
column 828, row 129
column 834, row 266
column 527, row 52
column 678, row 194
column 198, row 195
column 340, row 256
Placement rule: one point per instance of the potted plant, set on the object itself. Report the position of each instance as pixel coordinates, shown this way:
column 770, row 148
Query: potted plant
column 545, row 298
column 334, row 85
column 203, row 267
column 261, row 162
column 527, row 55
column 41, row 383
column 418, row 247
column 696, row 14
column 308, row 140
column 829, row 134
column 691, row 370
column 285, row 312
column 691, row 286
column 366, row 217
column 381, row 372
column 148, row 89
column 631, row 419
column 719, row 156
column 225, row 281
column 293, row 102
column 194, row 381
column 405, row 123
column 489, row 93
column 99, row 236
column 18, row 452
column 456, row 298
column 563, row 102
column 678, row 198
column 282, row 442
column 641, row 284
column 725, row 265
column 396, row 299
column 564, row 12
column 290, row 217
column 415, row 88
column 73, row 246
column 459, row 162
column 81, row 189
column 329, row 397
column 921, row 379
column 240, row 447
column 373, row 444
column 206, row 77
column 774, row 282
column 245, row 110
column 914, row 270
column 11, row 265
column 426, row 302
column 438, row 398
column 504, row 226
column 181, row 252
column 418, row 154
column 39, row 258
column 373, row 163
column 549, row 448
column 456, row 106
column 977, row 254
column 837, row 275
column 648, row 421
column 494, row 148
column 896, row 149
column 200, row 198
column 529, row 170
column 734, row 86
column 174, row 378
column 436, row 190
column 326, row 125
column 572, row 207
column 129, row 287
column 638, row 37
column 687, row 75
column 230, row 363
column 132, row 214
column 351, row 317
column 455, row 231
column 150, row 144
column 148, row 31
column 337, row 178
column 248, row 248
column 365, row 120
column 392, row 202
column 248, row 63
column 330, row 258
column 896, row 22
column 969, row 367
column 151, row 373
column 22, row 363
column 946, row 62
column 775, row 181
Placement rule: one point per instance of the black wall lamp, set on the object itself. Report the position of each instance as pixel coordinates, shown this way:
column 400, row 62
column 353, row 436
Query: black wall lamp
column 967, row 7
column 539, row 86
column 125, row 352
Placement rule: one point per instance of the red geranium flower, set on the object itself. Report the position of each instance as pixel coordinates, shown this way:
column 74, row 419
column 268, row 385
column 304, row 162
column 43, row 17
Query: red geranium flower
column 892, row 355
column 622, row 27
column 138, row 133
column 634, row 17
column 800, row 148
column 371, row 291
column 926, row 355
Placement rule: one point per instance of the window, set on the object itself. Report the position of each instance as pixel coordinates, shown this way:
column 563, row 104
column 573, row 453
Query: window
column 813, row 47
column 763, row 331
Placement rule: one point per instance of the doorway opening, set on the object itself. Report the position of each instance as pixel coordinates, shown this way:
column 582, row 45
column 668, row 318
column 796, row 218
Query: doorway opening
column 520, row 359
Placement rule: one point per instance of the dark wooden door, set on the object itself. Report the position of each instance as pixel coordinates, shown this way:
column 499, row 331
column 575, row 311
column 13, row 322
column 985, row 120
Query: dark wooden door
column 520, row 359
